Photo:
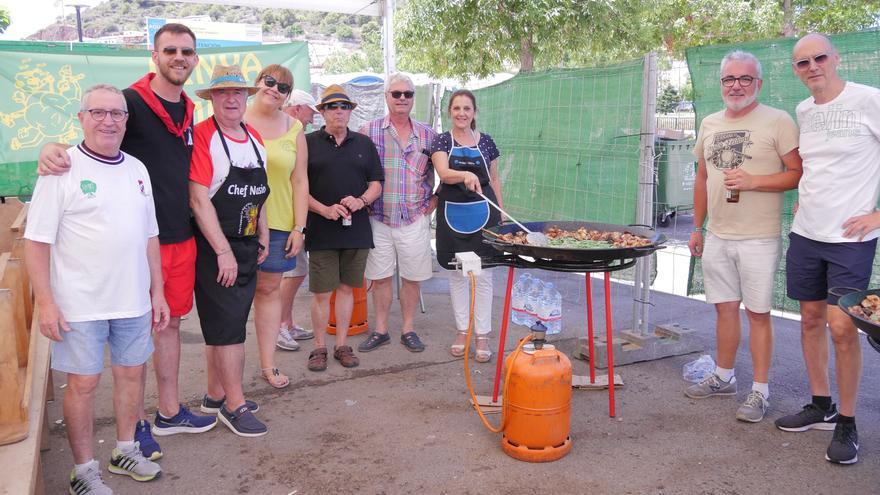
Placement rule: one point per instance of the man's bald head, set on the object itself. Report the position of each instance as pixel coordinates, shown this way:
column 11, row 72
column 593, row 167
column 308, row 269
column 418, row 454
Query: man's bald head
column 815, row 61
column 815, row 39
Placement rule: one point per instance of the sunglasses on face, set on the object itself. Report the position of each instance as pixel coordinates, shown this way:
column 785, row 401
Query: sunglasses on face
column 270, row 82
column 339, row 105
column 744, row 81
column 172, row 50
column 99, row 114
column 804, row 63
column 406, row 94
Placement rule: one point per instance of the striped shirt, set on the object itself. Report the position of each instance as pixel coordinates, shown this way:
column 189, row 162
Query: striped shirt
column 409, row 174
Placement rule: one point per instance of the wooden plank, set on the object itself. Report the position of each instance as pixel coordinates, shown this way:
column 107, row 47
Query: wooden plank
column 583, row 382
column 20, row 219
column 13, row 279
column 23, row 458
column 13, row 421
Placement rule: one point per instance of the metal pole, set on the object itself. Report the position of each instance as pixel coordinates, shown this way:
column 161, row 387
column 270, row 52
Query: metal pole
column 388, row 37
column 645, row 206
column 79, row 23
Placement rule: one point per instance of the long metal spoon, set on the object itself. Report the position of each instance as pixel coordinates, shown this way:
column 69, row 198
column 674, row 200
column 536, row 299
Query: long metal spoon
column 534, row 238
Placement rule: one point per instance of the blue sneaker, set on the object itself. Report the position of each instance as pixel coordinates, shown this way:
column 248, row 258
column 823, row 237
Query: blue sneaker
column 183, row 422
column 149, row 447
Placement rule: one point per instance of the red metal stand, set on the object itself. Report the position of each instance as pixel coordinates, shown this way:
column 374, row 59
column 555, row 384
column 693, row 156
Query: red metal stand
column 608, row 336
column 503, row 337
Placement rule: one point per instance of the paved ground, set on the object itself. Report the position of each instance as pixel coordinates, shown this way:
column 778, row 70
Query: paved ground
column 400, row 423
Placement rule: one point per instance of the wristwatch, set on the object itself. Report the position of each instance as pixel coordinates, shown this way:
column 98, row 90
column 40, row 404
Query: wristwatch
column 301, row 230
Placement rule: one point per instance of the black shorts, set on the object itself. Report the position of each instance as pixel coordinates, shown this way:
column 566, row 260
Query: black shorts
column 813, row 267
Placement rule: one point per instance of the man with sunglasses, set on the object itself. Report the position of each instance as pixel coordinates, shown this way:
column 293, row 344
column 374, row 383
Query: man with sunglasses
column 159, row 133
column 750, row 149
column 345, row 177
column 400, row 217
column 834, row 235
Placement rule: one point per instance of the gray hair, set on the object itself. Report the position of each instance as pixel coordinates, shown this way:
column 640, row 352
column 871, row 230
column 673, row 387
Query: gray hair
column 100, row 87
column 398, row 77
column 741, row 56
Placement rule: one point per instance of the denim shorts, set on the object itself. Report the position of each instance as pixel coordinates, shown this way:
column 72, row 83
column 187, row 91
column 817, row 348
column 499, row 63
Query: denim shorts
column 276, row 262
column 81, row 350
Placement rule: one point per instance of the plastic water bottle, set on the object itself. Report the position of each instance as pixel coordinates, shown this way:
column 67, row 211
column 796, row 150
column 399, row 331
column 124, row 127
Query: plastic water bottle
column 518, row 298
column 554, row 303
column 530, row 306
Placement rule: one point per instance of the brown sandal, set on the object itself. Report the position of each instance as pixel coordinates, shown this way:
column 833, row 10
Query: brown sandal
column 318, row 359
column 275, row 377
column 345, row 355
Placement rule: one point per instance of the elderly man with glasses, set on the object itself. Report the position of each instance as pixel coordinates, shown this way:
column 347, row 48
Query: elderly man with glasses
column 400, row 217
column 747, row 156
column 834, row 234
column 345, row 177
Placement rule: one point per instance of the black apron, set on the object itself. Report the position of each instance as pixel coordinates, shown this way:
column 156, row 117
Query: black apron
column 223, row 311
column 461, row 213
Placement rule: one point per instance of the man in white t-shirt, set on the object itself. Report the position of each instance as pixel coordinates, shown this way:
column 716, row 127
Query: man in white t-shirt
column 92, row 253
column 834, row 235
column 747, row 156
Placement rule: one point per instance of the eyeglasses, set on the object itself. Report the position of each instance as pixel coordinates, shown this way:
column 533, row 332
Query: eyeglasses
column 340, row 105
column 804, row 63
column 744, row 81
column 406, row 94
column 172, row 50
column 270, row 82
column 99, row 114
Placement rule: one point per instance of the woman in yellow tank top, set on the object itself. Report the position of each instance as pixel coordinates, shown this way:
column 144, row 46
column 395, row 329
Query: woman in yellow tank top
column 286, row 207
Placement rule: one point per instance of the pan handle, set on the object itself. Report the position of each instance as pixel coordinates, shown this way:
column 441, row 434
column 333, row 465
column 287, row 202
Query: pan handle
column 640, row 225
column 649, row 249
column 834, row 291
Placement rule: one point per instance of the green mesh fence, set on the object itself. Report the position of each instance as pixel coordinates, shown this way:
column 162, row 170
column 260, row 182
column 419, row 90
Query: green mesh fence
column 569, row 142
column 860, row 60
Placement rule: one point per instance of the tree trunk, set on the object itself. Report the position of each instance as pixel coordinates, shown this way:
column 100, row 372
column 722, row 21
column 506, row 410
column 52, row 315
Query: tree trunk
column 787, row 19
column 526, row 60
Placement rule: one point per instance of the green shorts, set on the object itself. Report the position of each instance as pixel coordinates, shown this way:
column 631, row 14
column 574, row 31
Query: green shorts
column 330, row 267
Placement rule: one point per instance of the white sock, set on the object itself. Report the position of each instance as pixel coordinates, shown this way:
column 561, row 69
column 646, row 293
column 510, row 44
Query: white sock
column 764, row 388
column 82, row 468
column 125, row 447
column 724, row 373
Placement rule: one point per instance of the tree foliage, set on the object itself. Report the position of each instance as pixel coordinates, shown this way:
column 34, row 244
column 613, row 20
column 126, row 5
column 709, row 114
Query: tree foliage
column 4, row 19
column 464, row 38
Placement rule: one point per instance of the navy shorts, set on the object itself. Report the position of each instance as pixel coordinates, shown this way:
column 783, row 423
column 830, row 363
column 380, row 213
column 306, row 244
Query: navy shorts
column 812, row 267
column 276, row 262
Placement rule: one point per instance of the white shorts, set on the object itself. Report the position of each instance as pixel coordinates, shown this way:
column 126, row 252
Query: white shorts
column 741, row 270
column 302, row 266
column 408, row 247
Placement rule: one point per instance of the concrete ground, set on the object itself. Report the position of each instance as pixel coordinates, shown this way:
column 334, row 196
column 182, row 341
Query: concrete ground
column 401, row 423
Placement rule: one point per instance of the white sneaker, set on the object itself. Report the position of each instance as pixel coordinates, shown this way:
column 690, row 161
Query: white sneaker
column 89, row 482
column 754, row 407
column 285, row 341
column 133, row 464
column 300, row 333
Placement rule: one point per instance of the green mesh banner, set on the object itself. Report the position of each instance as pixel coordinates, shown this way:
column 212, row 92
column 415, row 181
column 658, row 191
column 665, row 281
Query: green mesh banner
column 41, row 85
column 860, row 62
column 569, row 142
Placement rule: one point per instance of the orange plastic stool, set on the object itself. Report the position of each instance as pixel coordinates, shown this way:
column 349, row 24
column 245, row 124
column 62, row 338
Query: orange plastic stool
column 358, row 323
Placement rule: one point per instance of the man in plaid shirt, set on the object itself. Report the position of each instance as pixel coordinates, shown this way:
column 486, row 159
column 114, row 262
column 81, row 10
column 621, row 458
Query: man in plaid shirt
column 400, row 218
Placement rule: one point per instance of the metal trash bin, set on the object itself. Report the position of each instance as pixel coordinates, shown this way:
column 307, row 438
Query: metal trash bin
column 675, row 169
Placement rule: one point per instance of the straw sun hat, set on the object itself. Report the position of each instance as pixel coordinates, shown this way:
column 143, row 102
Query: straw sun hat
column 225, row 76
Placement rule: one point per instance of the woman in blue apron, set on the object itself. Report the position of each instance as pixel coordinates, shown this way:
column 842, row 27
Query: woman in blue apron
column 466, row 161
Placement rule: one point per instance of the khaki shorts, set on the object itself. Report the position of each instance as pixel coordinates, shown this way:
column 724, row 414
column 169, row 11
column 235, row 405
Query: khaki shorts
column 302, row 266
column 408, row 247
column 330, row 267
column 741, row 270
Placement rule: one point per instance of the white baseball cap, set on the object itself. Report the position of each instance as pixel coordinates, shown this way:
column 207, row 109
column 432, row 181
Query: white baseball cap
column 300, row 97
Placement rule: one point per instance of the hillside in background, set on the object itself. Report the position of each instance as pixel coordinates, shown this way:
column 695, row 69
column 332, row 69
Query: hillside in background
column 116, row 16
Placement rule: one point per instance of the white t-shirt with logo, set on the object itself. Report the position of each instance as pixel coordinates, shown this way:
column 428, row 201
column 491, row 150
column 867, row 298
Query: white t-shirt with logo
column 98, row 218
column 840, row 146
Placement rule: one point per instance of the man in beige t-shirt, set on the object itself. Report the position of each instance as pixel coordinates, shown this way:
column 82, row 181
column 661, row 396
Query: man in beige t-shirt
column 747, row 156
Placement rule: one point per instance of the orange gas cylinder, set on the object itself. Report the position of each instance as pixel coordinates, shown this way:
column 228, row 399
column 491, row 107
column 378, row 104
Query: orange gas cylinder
column 358, row 323
column 537, row 405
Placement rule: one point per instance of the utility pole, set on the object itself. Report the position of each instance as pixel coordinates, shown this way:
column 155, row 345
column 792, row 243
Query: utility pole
column 79, row 26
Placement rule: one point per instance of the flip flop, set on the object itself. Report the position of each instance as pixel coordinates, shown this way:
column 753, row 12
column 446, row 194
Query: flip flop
column 275, row 377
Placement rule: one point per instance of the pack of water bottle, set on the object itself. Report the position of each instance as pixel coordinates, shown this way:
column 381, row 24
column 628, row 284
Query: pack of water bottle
column 533, row 300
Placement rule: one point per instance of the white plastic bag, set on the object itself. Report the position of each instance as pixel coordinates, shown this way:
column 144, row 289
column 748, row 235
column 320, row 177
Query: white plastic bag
column 697, row 371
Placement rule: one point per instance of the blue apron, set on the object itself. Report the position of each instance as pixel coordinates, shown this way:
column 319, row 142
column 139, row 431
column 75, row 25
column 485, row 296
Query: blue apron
column 461, row 213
